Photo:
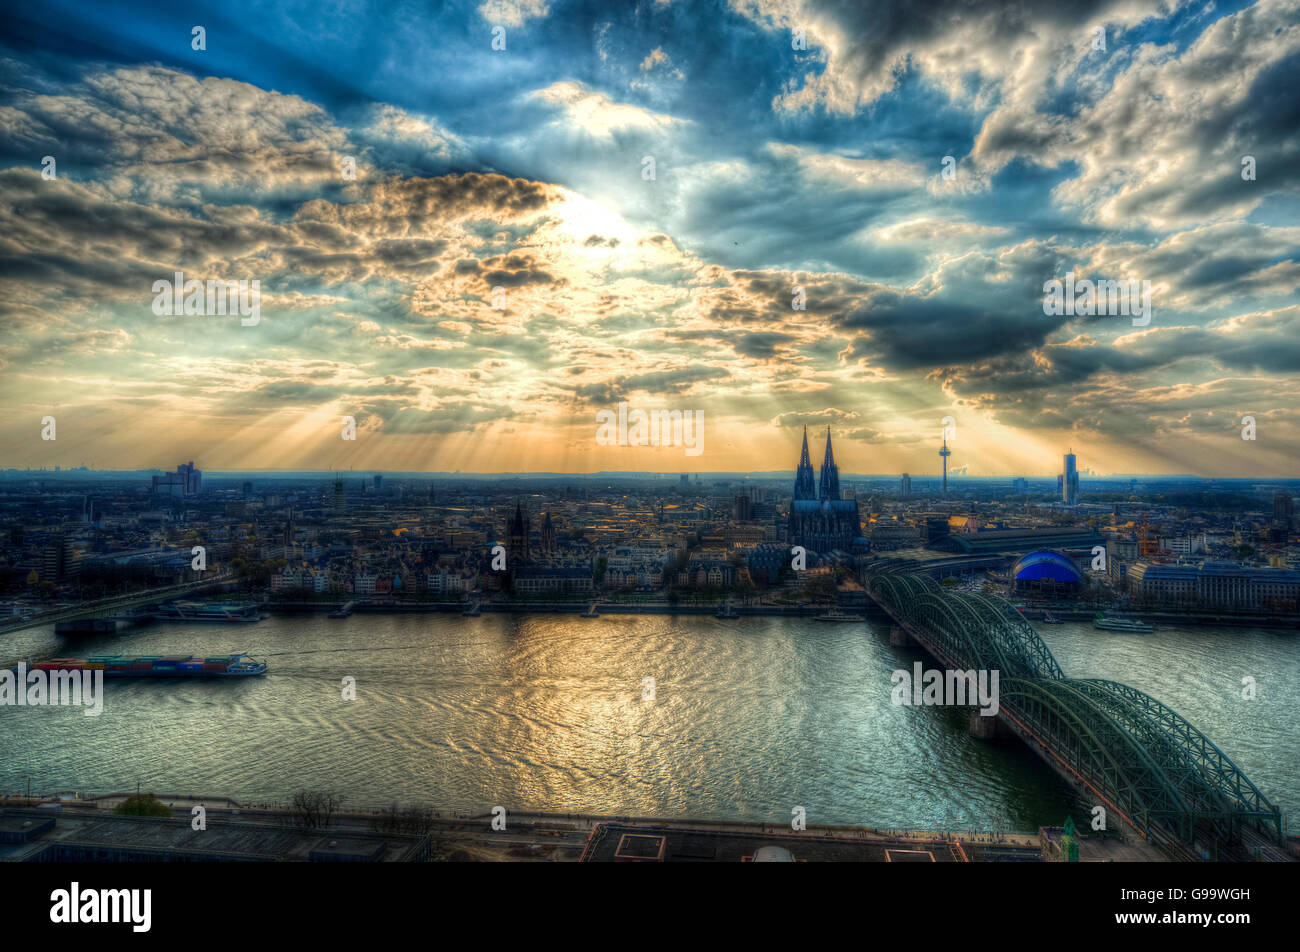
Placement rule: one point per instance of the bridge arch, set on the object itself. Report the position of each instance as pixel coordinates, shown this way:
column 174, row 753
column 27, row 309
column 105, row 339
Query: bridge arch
column 1141, row 756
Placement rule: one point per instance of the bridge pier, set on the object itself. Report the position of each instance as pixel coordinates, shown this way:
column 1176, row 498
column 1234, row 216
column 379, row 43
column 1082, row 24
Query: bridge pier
column 899, row 638
column 985, row 728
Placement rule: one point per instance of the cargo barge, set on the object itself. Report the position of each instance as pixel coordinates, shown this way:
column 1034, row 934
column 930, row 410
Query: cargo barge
column 155, row 666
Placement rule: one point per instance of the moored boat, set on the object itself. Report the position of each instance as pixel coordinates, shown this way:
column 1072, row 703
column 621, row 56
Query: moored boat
column 156, row 666
column 208, row 611
column 838, row 615
column 1130, row 625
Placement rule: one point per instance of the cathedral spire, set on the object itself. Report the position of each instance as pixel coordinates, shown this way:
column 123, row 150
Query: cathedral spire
column 829, row 488
column 805, row 486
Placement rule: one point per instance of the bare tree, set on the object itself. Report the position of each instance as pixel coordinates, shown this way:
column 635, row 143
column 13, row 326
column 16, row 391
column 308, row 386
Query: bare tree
column 314, row 809
column 412, row 819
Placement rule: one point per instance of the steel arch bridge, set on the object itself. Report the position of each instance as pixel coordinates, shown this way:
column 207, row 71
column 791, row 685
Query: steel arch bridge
column 1138, row 755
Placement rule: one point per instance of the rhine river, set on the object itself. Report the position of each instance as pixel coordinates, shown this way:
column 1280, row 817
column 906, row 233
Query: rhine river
column 749, row 718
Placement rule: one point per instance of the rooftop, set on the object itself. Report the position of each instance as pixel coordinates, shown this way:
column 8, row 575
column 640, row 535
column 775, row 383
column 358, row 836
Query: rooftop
column 79, row 836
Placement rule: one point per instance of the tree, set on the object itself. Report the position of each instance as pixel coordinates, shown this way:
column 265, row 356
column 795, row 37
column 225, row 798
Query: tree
column 314, row 809
column 142, row 804
column 413, row 819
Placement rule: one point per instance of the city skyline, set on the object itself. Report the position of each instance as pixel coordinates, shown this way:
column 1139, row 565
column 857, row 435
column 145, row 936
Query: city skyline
column 474, row 234
column 679, row 431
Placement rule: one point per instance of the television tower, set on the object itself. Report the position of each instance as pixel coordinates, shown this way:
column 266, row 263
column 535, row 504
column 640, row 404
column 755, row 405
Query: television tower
column 945, row 453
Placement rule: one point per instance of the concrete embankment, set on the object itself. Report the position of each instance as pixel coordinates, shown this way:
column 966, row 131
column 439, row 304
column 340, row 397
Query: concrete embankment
column 527, row 608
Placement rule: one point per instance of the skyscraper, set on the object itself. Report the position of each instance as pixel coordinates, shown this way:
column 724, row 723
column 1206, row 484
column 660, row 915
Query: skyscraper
column 905, row 486
column 186, row 481
column 1283, row 508
column 1070, row 482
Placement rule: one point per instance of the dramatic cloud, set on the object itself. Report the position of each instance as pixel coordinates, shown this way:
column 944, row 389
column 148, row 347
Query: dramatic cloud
column 471, row 250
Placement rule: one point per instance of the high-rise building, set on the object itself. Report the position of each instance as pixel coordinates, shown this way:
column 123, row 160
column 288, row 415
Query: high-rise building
column 379, row 483
column 742, row 508
column 1020, row 485
column 905, row 486
column 1283, row 508
column 1070, row 482
column 186, row 481
column 59, row 560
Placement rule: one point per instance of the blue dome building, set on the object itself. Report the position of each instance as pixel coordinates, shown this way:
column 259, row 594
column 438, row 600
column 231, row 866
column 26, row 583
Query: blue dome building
column 1046, row 573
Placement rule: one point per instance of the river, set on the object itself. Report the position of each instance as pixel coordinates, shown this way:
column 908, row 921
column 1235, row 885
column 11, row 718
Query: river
column 749, row 718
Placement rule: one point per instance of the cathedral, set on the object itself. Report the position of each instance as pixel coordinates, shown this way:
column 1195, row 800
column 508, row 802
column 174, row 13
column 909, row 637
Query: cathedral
column 820, row 520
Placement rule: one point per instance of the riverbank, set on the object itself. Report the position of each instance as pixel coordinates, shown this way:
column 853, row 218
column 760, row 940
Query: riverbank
column 773, row 611
column 554, row 836
column 1166, row 617
column 550, row 608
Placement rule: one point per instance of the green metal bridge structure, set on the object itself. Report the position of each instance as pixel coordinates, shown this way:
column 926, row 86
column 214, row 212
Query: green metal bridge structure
column 1135, row 756
column 114, row 604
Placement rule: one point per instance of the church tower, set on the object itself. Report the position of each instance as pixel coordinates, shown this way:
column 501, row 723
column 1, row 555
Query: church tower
column 819, row 519
column 804, row 486
column 548, row 537
column 830, row 481
column 518, row 531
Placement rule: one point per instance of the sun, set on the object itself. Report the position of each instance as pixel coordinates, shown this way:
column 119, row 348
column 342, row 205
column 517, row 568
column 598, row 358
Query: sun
column 592, row 227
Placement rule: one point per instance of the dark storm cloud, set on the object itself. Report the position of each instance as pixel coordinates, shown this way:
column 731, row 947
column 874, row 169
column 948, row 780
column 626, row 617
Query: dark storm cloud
column 762, row 346
column 661, row 383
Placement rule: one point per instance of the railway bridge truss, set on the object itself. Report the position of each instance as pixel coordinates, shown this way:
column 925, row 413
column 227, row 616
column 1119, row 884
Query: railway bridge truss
column 1143, row 761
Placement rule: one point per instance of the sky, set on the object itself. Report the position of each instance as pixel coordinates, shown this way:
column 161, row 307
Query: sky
column 474, row 226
